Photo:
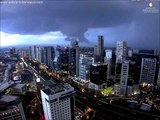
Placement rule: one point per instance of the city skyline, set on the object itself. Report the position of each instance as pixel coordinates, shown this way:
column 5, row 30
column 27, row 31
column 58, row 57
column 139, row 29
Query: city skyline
column 88, row 83
column 59, row 22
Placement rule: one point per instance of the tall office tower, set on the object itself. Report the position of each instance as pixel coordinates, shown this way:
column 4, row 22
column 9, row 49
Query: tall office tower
column 30, row 51
column 11, row 108
column 138, row 59
column 148, row 69
column 37, row 52
column 108, row 60
column 77, row 61
column 58, row 101
column 23, row 52
column 98, row 75
column 33, row 51
column 85, row 61
column 72, row 61
column 130, row 53
column 100, row 49
column 62, row 62
column 95, row 53
column 49, row 55
column 124, row 78
column 157, row 52
column 74, row 58
column 12, row 50
column 121, row 51
column 40, row 55
column 74, row 44
column 118, row 68
column 129, row 77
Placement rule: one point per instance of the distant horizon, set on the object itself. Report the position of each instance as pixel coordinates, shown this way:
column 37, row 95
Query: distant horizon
column 54, row 45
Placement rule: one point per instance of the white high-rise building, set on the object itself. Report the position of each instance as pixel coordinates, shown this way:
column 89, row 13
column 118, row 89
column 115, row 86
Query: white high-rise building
column 124, row 77
column 128, row 78
column 33, row 51
column 85, row 61
column 148, row 69
column 108, row 54
column 108, row 60
column 37, row 51
column 40, row 54
column 121, row 51
column 130, row 53
column 58, row 101
column 12, row 108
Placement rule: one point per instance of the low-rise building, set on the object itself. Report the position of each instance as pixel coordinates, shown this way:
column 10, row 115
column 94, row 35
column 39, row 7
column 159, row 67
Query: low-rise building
column 20, row 88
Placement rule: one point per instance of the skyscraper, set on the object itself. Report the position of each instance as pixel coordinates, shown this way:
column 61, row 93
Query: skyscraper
column 108, row 60
column 12, row 50
column 121, row 51
column 124, row 78
column 100, row 49
column 74, row 58
column 72, row 61
column 40, row 55
column 138, row 59
column 95, row 53
column 49, row 55
column 128, row 78
column 98, row 75
column 58, row 101
column 63, row 59
column 37, row 52
column 77, row 61
column 148, row 69
column 23, row 52
column 33, row 51
column 118, row 68
column 85, row 62
column 74, row 44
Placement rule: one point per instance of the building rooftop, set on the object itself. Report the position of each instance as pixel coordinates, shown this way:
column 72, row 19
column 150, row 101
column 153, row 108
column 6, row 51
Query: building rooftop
column 8, row 98
column 8, row 102
column 5, row 84
column 52, row 87
column 18, row 86
column 48, row 82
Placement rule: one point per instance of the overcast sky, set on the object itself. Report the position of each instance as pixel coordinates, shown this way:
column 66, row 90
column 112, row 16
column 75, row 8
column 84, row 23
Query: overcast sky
column 60, row 21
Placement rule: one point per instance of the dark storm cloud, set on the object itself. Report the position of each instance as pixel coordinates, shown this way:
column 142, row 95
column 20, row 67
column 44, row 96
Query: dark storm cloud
column 70, row 17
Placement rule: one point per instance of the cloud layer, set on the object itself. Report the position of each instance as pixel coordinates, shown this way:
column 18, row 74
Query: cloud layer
column 75, row 18
column 49, row 38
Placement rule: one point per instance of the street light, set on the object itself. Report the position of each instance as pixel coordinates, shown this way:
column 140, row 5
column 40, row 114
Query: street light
column 83, row 90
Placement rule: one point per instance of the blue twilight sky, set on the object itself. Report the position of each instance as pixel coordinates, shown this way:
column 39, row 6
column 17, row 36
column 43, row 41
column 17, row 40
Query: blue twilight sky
column 46, row 22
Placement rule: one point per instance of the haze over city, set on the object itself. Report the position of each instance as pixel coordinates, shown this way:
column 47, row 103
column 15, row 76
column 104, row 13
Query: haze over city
column 59, row 22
